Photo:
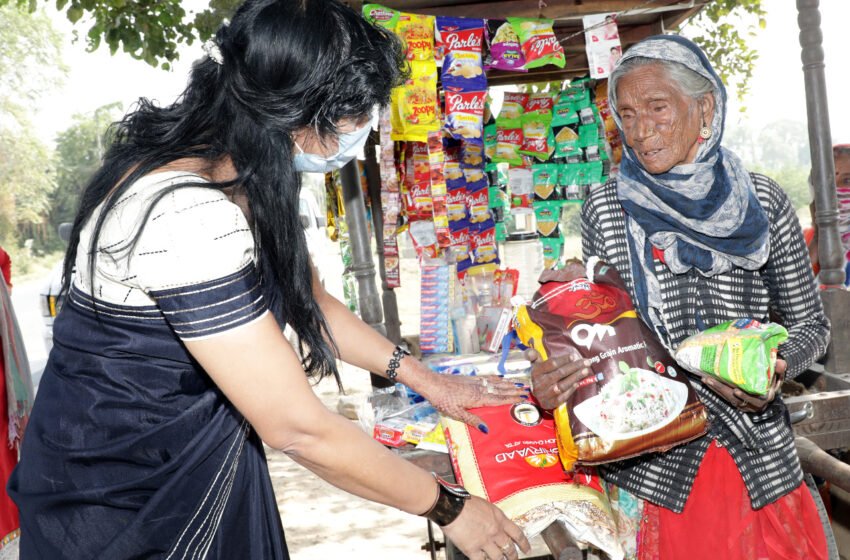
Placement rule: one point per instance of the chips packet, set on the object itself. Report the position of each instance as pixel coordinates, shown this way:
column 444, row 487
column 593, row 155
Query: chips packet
column 516, row 468
column 553, row 250
column 462, row 40
column 535, row 125
column 512, row 110
column 414, row 104
column 484, row 243
column 548, row 214
column 508, row 144
column 381, row 15
column 465, row 116
column 490, row 141
column 539, row 44
column 636, row 400
column 740, row 353
column 505, row 52
column 545, row 181
column 417, row 34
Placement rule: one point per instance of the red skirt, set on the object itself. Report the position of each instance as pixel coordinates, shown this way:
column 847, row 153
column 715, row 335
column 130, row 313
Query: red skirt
column 9, row 523
column 719, row 522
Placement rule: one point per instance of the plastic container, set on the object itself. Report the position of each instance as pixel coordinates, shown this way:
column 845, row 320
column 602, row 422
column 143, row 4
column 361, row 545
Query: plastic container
column 524, row 252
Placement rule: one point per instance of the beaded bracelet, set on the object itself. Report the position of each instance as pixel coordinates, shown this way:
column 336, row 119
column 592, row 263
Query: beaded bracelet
column 395, row 361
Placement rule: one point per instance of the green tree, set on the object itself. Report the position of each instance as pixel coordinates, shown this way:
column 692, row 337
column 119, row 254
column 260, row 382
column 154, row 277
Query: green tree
column 148, row 30
column 723, row 29
column 30, row 65
column 79, row 151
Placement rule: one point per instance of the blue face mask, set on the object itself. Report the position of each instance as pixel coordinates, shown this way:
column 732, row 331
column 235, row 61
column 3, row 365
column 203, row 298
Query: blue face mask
column 350, row 144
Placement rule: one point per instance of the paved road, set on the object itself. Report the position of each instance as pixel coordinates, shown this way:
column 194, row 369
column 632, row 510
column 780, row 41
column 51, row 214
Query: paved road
column 28, row 311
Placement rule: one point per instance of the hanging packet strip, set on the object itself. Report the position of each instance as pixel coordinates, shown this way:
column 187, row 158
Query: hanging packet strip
column 539, row 44
column 602, row 39
column 490, row 141
column 478, row 204
column 414, row 104
column 451, row 168
column 565, row 122
column 462, row 40
column 439, row 190
column 460, row 248
column 553, row 250
column 456, row 202
column 472, row 155
column 505, row 51
column 465, row 116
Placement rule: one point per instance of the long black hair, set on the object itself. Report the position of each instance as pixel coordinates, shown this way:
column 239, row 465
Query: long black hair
column 286, row 65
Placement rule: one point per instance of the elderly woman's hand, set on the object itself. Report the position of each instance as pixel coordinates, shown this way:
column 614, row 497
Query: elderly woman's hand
column 554, row 381
column 452, row 395
column 745, row 401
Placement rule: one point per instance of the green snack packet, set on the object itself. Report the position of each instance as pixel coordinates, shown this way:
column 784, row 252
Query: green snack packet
column 548, row 214
column 588, row 135
column 490, row 141
column 545, row 176
column 741, row 353
column 553, row 250
column 380, row 15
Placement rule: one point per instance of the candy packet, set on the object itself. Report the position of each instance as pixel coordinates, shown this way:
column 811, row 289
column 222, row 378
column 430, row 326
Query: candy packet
column 539, row 44
column 381, row 15
column 417, row 33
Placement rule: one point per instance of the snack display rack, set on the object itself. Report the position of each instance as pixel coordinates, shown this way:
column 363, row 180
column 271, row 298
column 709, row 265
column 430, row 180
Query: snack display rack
column 456, row 256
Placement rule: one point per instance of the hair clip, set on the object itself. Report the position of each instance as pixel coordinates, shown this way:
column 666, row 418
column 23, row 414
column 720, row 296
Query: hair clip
column 213, row 51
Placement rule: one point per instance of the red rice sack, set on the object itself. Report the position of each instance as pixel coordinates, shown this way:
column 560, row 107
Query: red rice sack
column 637, row 400
column 516, row 467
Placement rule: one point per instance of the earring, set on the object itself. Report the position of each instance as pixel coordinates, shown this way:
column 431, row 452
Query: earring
column 704, row 133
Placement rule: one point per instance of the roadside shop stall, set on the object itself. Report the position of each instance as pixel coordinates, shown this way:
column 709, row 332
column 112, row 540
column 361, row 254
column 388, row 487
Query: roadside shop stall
column 480, row 178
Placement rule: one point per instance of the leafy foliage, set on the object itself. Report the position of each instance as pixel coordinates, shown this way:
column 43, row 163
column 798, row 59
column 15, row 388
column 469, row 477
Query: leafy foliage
column 30, row 65
column 719, row 31
column 148, row 30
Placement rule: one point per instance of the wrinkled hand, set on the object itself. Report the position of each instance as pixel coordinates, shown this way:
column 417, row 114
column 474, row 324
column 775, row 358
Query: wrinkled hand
column 482, row 532
column 554, row 381
column 452, row 395
column 743, row 400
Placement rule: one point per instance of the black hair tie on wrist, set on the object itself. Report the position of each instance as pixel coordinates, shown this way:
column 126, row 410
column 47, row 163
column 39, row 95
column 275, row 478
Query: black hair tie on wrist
column 395, row 361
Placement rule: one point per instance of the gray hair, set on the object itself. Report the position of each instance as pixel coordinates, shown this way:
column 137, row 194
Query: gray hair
column 688, row 82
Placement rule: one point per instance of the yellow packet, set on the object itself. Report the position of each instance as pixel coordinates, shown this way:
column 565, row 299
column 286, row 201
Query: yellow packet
column 414, row 105
column 417, row 32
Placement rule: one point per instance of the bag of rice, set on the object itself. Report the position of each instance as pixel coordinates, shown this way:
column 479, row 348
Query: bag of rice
column 740, row 353
column 516, row 467
column 635, row 401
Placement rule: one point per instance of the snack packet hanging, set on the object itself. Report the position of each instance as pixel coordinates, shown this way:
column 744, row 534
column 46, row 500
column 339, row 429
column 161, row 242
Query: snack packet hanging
column 381, row 15
column 553, row 250
column 521, row 186
column 535, row 126
column 545, row 180
column 478, row 204
column 472, row 155
column 490, row 141
column 565, row 122
column 414, row 104
column 513, row 107
column 539, row 44
column 548, row 214
column 636, row 400
column 462, row 40
column 484, row 243
column 740, row 353
column 505, row 52
column 516, row 468
column 456, row 203
column 508, row 144
column 417, row 34
column 460, row 248
column 465, row 116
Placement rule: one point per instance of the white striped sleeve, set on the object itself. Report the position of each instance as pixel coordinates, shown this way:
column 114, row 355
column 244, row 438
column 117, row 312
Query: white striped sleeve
column 195, row 258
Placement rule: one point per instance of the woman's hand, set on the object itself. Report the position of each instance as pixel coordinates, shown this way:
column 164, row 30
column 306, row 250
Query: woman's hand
column 555, row 380
column 482, row 532
column 452, row 395
column 743, row 400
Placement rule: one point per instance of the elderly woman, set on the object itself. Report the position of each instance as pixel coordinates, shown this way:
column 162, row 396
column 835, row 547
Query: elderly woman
column 699, row 241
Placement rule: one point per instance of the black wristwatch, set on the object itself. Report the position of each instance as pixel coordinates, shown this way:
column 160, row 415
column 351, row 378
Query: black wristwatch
column 449, row 502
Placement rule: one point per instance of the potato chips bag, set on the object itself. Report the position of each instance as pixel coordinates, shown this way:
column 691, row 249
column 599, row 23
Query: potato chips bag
column 545, row 181
column 740, row 353
column 465, row 116
column 548, row 214
column 539, row 44
column 636, row 400
column 505, row 52
column 513, row 107
column 462, row 40
column 516, row 468
column 508, row 144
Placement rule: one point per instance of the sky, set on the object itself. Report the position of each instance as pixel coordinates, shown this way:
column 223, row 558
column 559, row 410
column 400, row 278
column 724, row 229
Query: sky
column 776, row 91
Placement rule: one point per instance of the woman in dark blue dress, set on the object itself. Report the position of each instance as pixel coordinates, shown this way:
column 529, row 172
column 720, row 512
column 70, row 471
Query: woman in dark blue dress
column 169, row 366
